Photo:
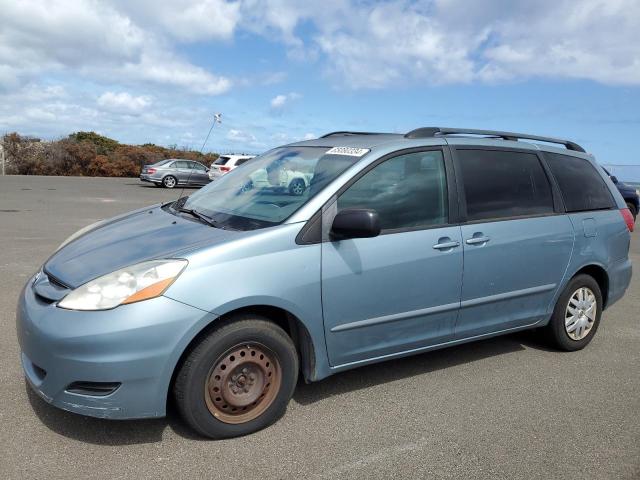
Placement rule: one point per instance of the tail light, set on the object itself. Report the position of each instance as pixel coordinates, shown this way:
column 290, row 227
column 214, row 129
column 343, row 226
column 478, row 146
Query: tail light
column 628, row 218
column 224, row 169
column 151, row 170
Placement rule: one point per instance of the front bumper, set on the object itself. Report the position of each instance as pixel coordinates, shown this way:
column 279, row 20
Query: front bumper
column 136, row 346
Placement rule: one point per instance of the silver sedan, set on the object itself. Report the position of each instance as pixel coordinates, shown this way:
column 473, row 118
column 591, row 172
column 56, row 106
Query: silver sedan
column 174, row 171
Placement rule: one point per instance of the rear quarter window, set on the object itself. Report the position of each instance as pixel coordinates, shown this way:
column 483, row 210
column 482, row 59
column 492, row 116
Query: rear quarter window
column 581, row 185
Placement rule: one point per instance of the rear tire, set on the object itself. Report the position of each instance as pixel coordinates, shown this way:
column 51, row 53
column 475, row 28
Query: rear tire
column 169, row 181
column 634, row 211
column 576, row 316
column 225, row 386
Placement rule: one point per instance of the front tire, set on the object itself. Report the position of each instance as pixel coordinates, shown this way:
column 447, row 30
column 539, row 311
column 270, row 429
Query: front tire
column 577, row 313
column 297, row 187
column 634, row 211
column 238, row 379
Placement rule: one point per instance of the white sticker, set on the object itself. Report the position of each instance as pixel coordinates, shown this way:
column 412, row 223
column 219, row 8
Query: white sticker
column 348, row 151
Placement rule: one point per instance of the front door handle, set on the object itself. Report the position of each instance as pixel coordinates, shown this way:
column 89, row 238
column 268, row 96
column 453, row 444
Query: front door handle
column 477, row 240
column 446, row 245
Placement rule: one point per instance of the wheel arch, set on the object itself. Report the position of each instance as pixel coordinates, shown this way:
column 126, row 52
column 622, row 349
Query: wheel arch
column 290, row 323
column 600, row 275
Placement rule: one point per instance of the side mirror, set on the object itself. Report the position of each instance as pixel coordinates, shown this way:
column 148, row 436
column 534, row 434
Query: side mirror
column 355, row 223
column 614, row 179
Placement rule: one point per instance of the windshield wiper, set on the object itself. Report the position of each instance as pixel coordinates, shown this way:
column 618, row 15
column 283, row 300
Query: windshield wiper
column 200, row 216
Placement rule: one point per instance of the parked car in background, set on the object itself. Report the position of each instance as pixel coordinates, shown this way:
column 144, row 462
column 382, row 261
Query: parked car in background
column 225, row 163
column 630, row 194
column 400, row 244
column 283, row 179
column 175, row 171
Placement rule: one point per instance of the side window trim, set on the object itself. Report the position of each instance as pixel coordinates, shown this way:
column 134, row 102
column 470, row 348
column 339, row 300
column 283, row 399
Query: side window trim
column 311, row 233
column 558, row 205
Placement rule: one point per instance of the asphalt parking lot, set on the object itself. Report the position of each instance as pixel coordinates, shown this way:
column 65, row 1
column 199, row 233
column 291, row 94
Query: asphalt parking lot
column 501, row 408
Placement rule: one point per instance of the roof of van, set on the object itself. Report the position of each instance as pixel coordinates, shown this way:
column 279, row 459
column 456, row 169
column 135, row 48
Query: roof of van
column 436, row 136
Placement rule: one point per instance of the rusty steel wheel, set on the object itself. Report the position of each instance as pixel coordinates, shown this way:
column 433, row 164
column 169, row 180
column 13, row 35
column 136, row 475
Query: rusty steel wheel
column 238, row 378
column 242, row 383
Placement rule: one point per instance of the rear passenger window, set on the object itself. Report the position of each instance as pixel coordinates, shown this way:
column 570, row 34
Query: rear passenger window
column 500, row 184
column 581, row 185
column 408, row 191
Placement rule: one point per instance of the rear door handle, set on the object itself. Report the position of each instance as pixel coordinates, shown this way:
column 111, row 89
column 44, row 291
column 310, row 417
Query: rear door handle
column 446, row 245
column 477, row 240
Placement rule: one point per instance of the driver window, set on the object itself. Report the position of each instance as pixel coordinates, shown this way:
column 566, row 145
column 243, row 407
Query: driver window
column 408, row 191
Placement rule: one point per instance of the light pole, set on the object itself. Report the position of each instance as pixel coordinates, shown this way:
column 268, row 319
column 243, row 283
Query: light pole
column 2, row 156
column 217, row 118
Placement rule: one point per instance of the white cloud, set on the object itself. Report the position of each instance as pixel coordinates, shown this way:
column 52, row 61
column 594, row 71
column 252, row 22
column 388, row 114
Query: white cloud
column 174, row 72
column 98, row 41
column 280, row 101
column 241, row 136
column 186, row 20
column 398, row 42
column 123, row 102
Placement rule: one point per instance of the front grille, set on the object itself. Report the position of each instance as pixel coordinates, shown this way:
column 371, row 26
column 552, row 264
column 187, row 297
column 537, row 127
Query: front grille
column 94, row 389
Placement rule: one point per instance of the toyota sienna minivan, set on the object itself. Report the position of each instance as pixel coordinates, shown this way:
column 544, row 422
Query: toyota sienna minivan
column 400, row 244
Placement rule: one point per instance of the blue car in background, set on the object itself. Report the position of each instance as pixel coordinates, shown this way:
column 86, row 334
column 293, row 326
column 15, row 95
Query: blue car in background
column 397, row 245
column 630, row 194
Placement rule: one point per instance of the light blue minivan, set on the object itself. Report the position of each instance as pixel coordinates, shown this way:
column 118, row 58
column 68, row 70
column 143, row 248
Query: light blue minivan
column 396, row 245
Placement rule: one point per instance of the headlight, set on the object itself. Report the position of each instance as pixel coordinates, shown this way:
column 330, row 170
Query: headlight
column 82, row 231
column 128, row 285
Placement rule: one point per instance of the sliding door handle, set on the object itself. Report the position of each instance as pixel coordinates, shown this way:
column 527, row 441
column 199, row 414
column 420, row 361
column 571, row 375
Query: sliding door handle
column 477, row 240
column 446, row 245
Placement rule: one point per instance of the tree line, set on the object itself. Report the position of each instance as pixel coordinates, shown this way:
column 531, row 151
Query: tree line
column 86, row 154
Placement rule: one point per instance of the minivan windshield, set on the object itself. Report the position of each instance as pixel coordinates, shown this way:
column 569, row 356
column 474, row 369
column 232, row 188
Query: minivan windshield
column 269, row 188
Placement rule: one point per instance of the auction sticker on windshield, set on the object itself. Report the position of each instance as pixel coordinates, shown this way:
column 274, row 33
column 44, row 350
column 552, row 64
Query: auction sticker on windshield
column 348, row 151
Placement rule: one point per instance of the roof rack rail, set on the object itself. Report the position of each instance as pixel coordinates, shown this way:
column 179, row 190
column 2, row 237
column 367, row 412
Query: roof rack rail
column 346, row 133
column 427, row 132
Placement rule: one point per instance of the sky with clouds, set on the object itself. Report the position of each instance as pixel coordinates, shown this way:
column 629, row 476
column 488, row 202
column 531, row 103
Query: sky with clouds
column 282, row 70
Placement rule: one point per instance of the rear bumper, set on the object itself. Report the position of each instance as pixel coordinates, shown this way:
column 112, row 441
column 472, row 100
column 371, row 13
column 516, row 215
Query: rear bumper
column 136, row 346
column 149, row 178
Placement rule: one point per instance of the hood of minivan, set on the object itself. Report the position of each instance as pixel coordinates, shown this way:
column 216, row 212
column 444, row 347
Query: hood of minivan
column 142, row 235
